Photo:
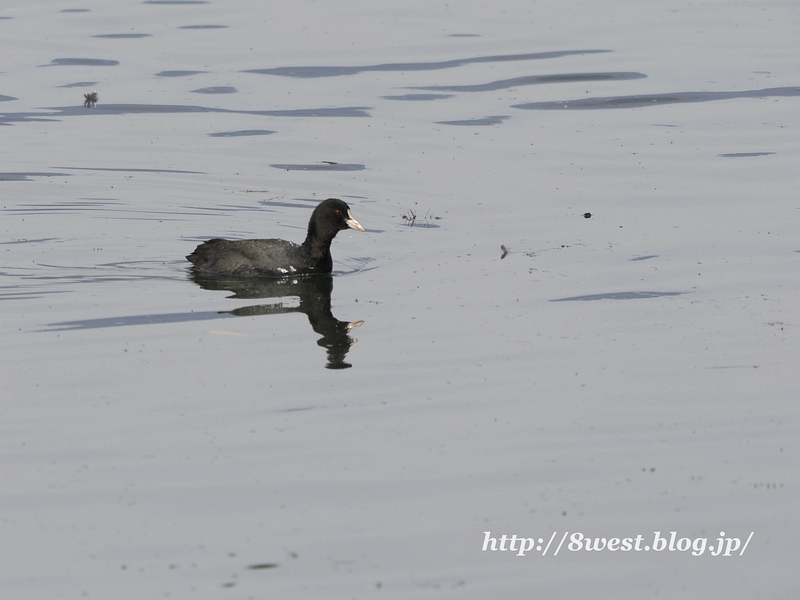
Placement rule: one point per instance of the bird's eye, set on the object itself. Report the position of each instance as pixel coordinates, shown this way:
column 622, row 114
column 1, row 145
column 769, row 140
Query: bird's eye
column 338, row 212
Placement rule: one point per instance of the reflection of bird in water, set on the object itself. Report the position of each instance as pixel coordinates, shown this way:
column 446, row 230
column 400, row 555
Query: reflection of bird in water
column 91, row 100
column 314, row 293
column 279, row 258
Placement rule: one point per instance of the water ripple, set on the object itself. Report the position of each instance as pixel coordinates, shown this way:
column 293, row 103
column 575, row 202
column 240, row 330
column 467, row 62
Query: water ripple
column 308, row 72
column 641, row 100
column 535, row 80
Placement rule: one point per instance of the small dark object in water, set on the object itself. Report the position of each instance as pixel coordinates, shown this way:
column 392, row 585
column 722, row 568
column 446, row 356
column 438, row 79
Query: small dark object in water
column 587, row 215
column 91, row 100
column 411, row 218
column 279, row 258
column 507, row 251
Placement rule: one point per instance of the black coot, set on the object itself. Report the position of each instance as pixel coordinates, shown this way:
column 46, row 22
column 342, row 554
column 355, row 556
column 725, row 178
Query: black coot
column 279, row 258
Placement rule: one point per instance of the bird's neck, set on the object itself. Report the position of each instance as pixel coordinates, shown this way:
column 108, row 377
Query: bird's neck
column 317, row 246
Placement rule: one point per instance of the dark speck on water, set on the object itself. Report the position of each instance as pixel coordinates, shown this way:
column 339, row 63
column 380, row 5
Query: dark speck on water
column 91, row 99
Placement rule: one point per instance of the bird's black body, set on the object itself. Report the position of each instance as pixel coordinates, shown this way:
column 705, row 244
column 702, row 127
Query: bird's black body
column 279, row 258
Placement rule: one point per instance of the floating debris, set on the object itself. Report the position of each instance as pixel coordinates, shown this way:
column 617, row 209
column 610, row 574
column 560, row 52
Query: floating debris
column 411, row 218
column 507, row 251
column 91, row 100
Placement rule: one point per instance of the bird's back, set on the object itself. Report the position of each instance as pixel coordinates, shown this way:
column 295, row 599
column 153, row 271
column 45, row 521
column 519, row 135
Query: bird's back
column 247, row 258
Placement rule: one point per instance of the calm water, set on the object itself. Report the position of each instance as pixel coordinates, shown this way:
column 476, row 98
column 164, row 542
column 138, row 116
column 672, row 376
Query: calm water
column 574, row 311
